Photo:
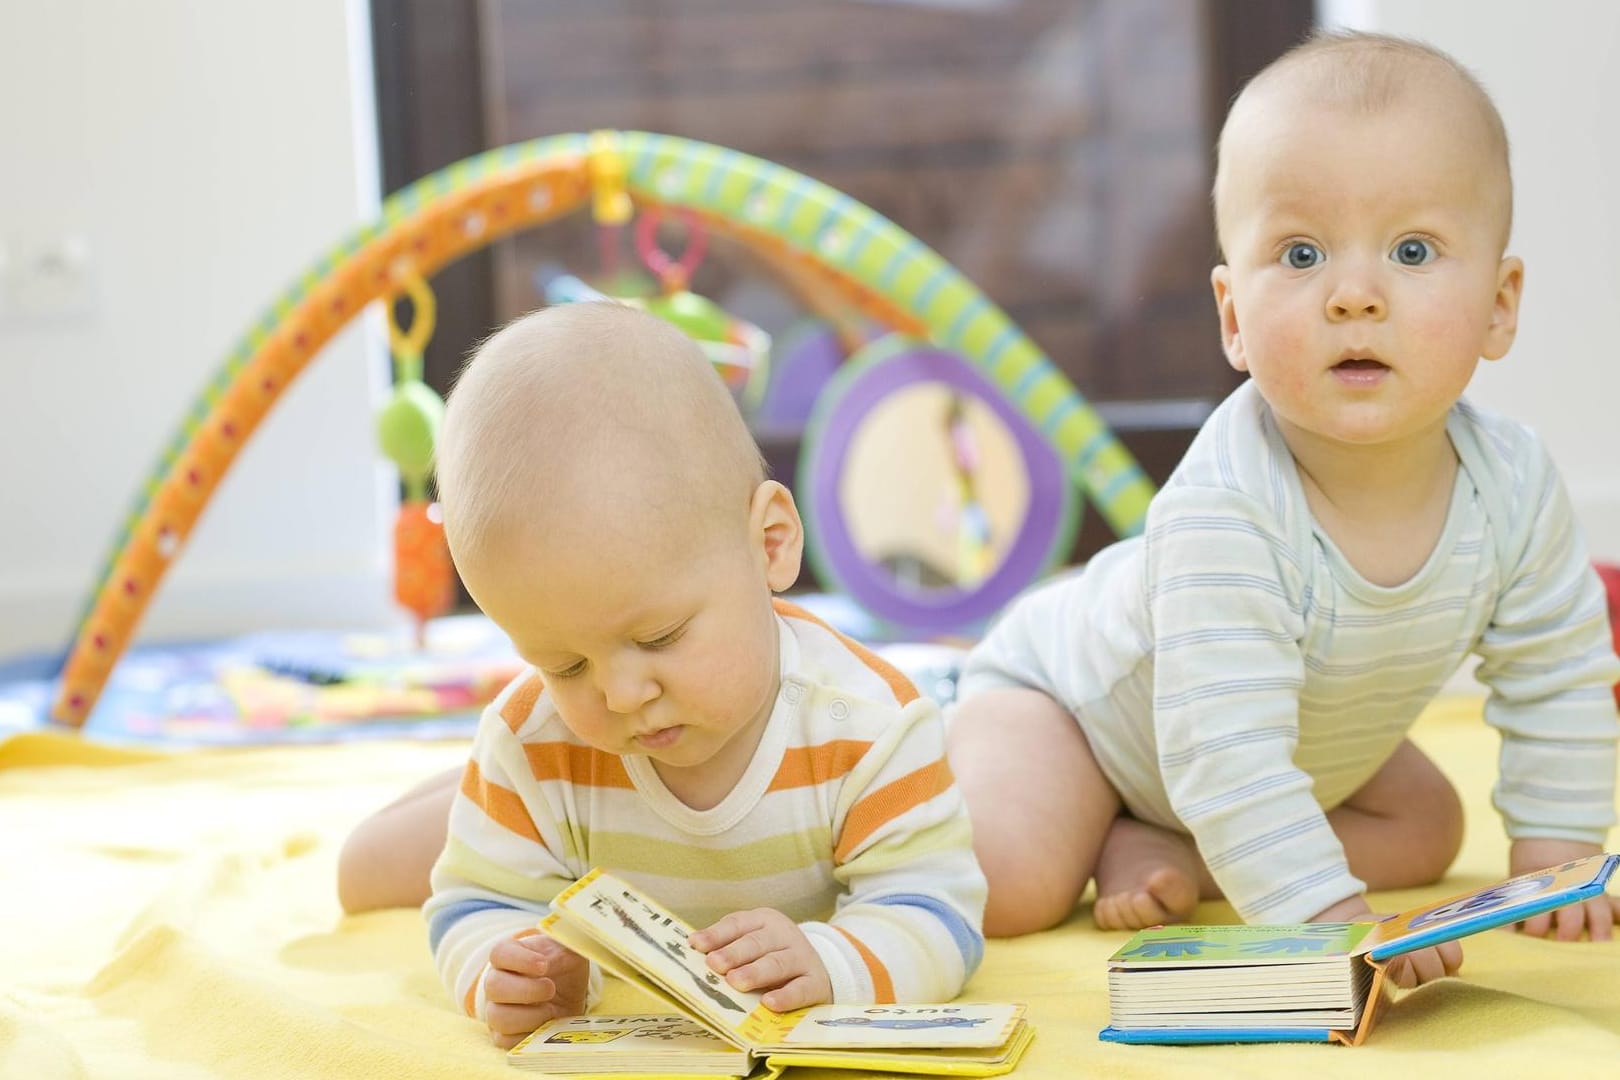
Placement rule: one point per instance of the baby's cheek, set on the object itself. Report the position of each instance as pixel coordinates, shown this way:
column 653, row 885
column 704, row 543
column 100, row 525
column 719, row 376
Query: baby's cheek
column 741, row 672
column 580, row 715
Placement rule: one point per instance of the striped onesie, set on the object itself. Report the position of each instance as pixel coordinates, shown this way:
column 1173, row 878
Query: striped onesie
column 1236, row 677
column 847, row 820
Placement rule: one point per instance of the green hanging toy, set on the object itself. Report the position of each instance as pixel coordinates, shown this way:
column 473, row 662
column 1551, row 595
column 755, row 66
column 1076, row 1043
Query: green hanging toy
column 407, row 428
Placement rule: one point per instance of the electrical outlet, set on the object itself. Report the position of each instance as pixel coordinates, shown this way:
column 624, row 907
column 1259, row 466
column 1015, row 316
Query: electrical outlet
column 47, row 282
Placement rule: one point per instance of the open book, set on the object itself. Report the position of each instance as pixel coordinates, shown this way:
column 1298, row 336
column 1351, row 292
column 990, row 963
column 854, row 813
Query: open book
column 1311, row 982
column 722, row 1031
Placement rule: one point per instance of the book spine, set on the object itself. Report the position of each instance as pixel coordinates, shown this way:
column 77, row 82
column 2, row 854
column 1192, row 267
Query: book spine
column 1377, row 993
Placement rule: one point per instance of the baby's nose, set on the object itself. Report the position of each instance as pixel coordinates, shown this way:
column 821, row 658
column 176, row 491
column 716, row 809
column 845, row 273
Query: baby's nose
column 625, row 693
column 1355, row 297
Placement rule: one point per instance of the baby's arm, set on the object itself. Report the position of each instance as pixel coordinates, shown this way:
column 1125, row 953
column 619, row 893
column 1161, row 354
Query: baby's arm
column 1226, row 600
column 1548, row 658
column 495, row 880
column 909, row 926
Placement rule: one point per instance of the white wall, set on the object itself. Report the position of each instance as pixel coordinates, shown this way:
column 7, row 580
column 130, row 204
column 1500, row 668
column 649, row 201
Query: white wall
column 205, row 152
column 1553, row 68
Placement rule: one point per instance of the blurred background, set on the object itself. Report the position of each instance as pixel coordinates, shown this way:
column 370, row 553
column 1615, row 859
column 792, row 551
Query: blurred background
column 170, row 166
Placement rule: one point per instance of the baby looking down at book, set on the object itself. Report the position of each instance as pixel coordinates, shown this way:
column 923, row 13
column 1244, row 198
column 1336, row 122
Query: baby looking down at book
column 777, row 784
column 1220, row 707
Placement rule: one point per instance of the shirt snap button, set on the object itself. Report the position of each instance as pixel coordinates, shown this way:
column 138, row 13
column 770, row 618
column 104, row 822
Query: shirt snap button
column 839, row 709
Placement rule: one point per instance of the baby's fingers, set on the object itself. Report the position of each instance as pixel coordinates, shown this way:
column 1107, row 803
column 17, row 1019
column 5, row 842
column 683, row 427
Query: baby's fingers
column 771, row 969
column 728, row 929
column 1425, row 965
column 505, row 988
column 805, row 990
column 508, row 1024
column 531, row 955
column 1600, row 912
column 1570, row 922
column 1451, row 956
column 1537, row 925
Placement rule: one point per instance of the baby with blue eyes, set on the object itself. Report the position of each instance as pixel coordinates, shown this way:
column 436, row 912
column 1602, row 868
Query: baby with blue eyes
column 1220, row 707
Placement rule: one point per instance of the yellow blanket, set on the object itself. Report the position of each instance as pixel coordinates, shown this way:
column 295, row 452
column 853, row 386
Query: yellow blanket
column 174, row 917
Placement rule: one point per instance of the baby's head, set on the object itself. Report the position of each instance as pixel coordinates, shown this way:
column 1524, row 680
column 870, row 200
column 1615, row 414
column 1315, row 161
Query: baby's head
column 1363, row 201
column 1393, row 83
column 607, row 508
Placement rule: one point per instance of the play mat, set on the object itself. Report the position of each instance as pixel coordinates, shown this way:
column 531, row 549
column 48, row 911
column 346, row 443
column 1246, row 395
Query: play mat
column 309, row 686
column 174, row 916
column 329, row 686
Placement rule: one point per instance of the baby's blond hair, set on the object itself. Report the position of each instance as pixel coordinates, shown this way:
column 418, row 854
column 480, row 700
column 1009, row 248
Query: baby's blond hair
column 1370, row 73
column 587, row 407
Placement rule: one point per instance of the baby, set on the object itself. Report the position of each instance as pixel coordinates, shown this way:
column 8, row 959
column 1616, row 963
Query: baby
column 765, row 777
column 1221, row 706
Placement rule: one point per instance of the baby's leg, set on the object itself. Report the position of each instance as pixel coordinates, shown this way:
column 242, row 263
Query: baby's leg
column 1147, row 875
column 1404, row 826
column 387, row 859
column 1399, row 829
column 1039, row 804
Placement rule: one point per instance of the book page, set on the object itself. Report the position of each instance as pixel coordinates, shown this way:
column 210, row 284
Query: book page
column 652, row 940
column 898, row 1027
column 571, row 937
column 666, row 1033
column 628, row 1044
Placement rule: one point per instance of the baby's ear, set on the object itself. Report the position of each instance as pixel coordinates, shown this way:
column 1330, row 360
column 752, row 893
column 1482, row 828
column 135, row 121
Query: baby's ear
column 774, row 523
column 1504, row 324
column 1220, row 280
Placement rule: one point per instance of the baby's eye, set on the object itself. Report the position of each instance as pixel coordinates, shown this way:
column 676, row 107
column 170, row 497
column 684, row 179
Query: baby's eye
column 572, row 671
column 666, row 640
column 1303, row 256
column 1413, row 251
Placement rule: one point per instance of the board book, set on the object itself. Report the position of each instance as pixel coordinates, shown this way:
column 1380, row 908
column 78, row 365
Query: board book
column 1311, row 982
column 718, row 1030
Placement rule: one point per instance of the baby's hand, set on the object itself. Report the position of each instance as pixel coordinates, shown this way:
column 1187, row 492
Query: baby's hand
column 763, row 949
column 531, row 980
column 1408, row 969
column 1596, row 916
column 1424, row 965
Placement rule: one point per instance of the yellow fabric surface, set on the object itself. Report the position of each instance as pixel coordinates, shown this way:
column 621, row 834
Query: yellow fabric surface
column 174, row 916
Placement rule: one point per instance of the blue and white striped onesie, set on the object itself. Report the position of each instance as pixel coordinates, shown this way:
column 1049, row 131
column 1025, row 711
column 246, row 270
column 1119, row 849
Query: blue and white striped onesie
column 1235, row 676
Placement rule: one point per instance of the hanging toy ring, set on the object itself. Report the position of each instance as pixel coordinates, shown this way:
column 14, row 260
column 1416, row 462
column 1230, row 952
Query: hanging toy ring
column 673, row 273
column 424, row 311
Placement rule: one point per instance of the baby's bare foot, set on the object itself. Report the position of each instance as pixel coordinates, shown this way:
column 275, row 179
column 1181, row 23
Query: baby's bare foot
column 1167, row 896
column 1145, row 876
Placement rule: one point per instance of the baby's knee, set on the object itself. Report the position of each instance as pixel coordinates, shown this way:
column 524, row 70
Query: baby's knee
column 1436, row 822
column 1033, row 885
column 1444, row 815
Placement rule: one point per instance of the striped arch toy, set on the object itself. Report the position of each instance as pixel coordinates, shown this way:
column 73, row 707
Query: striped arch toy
column 834, row 249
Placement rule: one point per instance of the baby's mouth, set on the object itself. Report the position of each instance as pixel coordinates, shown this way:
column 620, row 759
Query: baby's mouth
column 662, row 738
column 1360, row 364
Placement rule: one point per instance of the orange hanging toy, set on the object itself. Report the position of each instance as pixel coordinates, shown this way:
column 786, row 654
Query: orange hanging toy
column 424, row 579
